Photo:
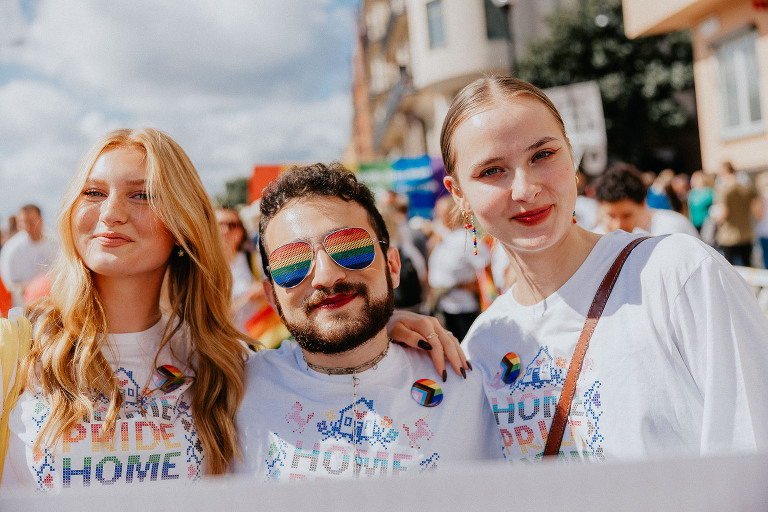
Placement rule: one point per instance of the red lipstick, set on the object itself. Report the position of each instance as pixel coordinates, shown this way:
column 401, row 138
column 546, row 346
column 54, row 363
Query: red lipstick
column 336, row 301
column 533, row 217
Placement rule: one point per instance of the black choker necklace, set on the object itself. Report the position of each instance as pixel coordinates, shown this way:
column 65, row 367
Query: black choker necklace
column 331, row 370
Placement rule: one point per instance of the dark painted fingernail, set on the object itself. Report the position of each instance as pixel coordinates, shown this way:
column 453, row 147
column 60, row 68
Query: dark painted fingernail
column 469, row 365
column 445, row 375
column 463, row 373
column 424, row 344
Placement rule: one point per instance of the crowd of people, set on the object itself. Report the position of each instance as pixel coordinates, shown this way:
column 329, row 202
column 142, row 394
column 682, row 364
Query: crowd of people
column 146, row 358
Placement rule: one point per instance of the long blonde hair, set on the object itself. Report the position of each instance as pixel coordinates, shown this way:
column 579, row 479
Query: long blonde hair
column 66, row 359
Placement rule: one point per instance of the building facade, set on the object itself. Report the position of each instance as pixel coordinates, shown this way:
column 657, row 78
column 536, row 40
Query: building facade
column 730, row 47
column 413, row 56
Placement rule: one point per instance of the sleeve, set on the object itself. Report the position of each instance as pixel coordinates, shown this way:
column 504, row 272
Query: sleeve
column 5, row 264
column 15, row 341
column 723, row 336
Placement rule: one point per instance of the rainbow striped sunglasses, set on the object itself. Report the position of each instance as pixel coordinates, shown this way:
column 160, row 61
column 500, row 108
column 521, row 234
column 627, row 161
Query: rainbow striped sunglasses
column 351, row 248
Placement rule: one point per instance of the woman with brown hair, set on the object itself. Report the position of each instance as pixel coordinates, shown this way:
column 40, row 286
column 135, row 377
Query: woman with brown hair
column 675, row 364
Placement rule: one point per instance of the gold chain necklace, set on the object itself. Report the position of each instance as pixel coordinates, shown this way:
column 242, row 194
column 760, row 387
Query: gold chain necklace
column 330, row 370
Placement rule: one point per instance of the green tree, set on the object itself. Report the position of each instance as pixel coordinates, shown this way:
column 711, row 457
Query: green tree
column 236, row 193
column 644, row 82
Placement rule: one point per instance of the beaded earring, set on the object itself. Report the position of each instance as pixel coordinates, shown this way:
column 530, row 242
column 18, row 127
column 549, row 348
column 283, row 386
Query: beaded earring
column 468, row 225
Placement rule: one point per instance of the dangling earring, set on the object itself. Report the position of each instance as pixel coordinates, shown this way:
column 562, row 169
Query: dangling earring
column 574, row 216
column 468, row 225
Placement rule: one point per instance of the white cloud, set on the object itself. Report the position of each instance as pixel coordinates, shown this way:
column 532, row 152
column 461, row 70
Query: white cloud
column 236, row 82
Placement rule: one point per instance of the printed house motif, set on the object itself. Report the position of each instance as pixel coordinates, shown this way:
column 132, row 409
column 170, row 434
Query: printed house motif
column 367, row 425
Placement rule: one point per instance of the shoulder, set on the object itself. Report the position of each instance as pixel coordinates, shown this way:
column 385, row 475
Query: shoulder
column 676, row 247
column 668, row 221
column 268, row 362
column 670, row 261
column 15, row 242
column 410, row 367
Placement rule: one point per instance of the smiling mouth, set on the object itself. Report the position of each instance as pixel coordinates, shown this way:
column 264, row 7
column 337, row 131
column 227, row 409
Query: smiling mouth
column 336, row 301
column 111, row 240
column 534, row 217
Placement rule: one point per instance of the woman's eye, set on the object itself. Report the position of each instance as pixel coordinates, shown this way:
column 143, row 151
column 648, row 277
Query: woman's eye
column 141, row 196
column 542, row 154
column 490, row 171
column 92, row 193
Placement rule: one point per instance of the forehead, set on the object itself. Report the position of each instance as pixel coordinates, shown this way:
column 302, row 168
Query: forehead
column 27, row 215
column 621, row 208
column 226, row 215
column 505, row 123
column 122, row 163
column 307, row 217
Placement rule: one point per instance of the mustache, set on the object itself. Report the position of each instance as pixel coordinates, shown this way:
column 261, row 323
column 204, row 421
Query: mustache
column 340, row 288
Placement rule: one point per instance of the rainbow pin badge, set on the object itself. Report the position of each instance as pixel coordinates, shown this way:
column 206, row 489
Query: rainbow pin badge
column 427, row 393
column 510, row 368
column 167, row 378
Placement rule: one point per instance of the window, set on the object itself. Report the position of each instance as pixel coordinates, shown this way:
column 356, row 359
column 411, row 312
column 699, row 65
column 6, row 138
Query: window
column 739, row 86
column 435, row 23
column 496, row 21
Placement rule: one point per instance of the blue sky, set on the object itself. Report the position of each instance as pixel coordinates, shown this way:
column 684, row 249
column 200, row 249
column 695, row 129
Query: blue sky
column 235, row 82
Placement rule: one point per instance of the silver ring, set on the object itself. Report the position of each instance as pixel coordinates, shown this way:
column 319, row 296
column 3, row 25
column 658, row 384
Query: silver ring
column 431, row 335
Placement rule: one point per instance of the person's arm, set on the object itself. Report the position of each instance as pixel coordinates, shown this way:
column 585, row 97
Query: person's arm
column 721, row 333
column 426, row 333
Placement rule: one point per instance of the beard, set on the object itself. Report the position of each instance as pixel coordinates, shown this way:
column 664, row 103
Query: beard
column 345, row 333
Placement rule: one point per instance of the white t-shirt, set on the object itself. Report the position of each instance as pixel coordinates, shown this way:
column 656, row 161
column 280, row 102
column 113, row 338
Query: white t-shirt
column 452, row 263
column 297, row 424
column 160, row 445
column 21, row 259
column 676, row 365
column 667, row 222
column 663, row 222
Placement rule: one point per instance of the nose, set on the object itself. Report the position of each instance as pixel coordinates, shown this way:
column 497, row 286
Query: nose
column 326, row 272
column 525, row 186
column 113, row 210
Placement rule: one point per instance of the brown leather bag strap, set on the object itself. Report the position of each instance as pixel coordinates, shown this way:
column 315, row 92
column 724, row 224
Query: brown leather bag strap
column 556, row 431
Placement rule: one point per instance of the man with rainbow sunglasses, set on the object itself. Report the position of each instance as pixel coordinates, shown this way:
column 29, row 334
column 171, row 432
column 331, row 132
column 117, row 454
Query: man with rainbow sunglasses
column 343, row 401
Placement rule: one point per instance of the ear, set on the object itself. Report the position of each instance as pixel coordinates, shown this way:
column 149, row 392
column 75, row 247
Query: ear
column 269, row 295
column 393, row 261
column 452, row 185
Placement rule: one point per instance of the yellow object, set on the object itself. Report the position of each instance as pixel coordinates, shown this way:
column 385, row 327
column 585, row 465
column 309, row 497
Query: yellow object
column 15, row 342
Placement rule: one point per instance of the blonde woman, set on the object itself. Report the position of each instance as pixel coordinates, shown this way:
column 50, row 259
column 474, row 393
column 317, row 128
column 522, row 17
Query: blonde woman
column 118, row 389
column 676, row 364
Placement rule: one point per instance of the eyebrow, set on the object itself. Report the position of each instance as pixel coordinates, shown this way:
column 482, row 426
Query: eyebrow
column 535, row 145
column 130, row 183
column 540, row 143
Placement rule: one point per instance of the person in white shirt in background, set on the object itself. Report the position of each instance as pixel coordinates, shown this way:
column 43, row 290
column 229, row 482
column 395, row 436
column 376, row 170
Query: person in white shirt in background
column 27, row 254
column 621, row 195
column 452, row 269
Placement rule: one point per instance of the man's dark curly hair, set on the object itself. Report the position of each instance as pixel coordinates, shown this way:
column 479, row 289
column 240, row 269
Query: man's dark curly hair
column 332, row 180
column 620, row 181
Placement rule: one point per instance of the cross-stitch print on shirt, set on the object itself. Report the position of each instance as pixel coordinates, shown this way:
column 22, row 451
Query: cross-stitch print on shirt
column 524, row 409
column 322, row 446
column 155, row 440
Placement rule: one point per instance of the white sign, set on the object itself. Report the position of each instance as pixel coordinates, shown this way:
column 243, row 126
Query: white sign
column 581, row 108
